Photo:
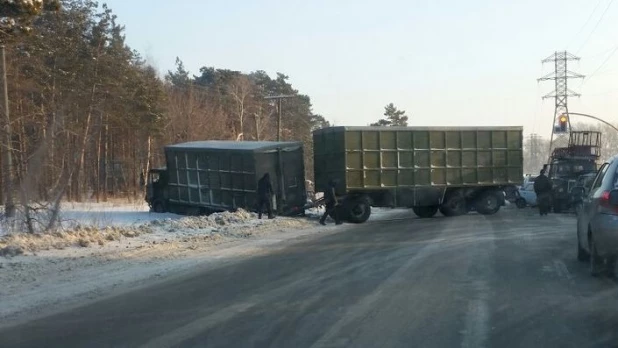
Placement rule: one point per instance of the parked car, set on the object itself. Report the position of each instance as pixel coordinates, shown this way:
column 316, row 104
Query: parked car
column 527, row 196
column 529, row 178
column 597, row 221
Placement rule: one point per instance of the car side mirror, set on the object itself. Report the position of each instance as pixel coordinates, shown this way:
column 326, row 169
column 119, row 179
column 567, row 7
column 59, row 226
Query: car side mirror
column 613, row 198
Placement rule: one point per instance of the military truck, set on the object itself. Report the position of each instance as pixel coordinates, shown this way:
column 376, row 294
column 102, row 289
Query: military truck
column 429, row 169
column 208, row 176
column 569, row 163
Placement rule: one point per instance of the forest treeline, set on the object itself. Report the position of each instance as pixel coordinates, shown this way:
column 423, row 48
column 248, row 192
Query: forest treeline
column 89, row 115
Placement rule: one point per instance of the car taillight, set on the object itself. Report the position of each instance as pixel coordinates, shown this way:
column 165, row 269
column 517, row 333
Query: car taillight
column 604, row 202
column 604, row 198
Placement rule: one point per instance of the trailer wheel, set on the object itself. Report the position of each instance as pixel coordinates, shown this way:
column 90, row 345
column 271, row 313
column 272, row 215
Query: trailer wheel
column 488, row 203
column 454, row 205
column 357, row 210
column 426, row 211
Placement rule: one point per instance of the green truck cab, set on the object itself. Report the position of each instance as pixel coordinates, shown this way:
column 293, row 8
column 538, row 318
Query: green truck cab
column 449, row 169
column 568, row 164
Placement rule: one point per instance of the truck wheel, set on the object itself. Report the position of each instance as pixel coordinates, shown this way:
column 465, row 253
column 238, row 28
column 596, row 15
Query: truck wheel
column 357, row 210
column 454, row 205
column 520, row 203
column 158, row 207
column 426, row 211
column 488, row 203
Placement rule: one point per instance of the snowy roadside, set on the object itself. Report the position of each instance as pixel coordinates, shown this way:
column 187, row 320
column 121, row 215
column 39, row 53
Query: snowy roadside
column 136, row 251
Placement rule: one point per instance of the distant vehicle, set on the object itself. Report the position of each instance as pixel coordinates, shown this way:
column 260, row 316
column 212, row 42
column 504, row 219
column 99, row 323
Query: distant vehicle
column 450, row 169
column 527, row 196
column 209, row 176
column 529, row 178
column 569, row 163
column 597, row 221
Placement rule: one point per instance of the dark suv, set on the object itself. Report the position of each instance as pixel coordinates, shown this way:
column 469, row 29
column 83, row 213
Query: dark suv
column 597, row 221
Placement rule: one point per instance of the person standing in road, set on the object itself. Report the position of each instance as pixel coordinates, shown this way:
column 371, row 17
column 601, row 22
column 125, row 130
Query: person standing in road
column 265, row 193
column 543, row 188
column 331, row 204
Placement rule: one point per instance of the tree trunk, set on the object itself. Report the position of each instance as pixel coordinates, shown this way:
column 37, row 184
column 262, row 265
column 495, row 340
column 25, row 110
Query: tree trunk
column 148, row 155
column 7, row 169
column 241, row 119
column 84, row 141
column 98, row 164
column 105, row 159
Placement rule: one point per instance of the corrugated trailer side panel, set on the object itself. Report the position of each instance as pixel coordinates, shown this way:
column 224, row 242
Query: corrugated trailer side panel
column 219, row 179
column 385, row 158
column 290, row 188
column 378, row 158
column 329, row 157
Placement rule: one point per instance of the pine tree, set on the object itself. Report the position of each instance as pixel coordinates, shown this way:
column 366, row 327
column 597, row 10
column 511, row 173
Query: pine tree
column 393, row 117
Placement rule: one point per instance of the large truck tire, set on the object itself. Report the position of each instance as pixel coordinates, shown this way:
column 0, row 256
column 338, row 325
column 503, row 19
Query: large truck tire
column 488, row 203
column 357, row 210
column 426, row 211
column 454, row 205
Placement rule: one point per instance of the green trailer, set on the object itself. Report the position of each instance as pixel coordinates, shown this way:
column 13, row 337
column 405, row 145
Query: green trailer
column 201, row 177
column 450, row 169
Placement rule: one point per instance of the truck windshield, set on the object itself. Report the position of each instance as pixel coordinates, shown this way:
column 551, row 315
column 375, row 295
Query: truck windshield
column 572, row 168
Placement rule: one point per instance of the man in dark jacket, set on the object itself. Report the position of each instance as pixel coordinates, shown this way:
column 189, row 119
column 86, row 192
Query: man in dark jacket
column 264, row 196
column 331, row 204
column 543, row 188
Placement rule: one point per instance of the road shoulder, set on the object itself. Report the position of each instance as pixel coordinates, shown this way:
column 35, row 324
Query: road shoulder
column 46, row 282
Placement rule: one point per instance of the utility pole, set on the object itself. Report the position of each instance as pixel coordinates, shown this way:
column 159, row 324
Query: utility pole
column 560, row 76
column 279, row 99
column 7, row 163
column 280, row 196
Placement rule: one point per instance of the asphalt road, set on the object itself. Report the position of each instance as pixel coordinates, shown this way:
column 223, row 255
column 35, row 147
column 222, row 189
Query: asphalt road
column 508, row 280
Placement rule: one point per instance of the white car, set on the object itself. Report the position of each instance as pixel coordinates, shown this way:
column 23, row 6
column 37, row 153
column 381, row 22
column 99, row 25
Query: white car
column 527, row 195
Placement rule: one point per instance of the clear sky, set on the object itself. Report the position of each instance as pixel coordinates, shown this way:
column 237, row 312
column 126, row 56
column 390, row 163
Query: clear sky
column 447, row 63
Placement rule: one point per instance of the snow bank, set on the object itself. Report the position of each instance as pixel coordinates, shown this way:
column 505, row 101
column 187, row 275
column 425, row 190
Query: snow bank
column 93, row 214
column 239, row 224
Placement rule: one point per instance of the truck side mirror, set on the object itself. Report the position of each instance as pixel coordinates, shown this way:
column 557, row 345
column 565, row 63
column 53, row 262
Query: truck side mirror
column 613, row 198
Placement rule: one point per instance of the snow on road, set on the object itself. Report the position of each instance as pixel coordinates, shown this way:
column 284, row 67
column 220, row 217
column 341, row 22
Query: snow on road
column 41, row 281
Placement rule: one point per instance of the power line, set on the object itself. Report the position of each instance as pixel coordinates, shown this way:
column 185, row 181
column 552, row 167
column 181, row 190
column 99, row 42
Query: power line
column 589, row 18
column 599, row 54
column 600, row 66
column 595, row 26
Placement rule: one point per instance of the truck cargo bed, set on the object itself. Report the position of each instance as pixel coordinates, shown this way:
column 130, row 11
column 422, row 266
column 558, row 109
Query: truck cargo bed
column 416, row 165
